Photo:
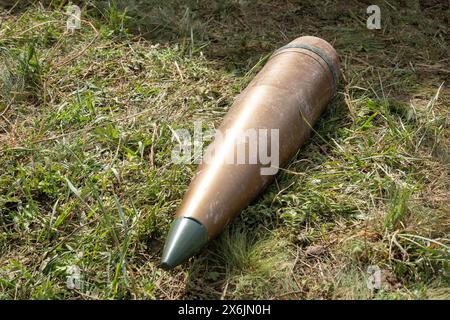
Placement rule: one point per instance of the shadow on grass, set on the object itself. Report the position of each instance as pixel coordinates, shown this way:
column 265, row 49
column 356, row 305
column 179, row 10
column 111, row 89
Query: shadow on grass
column 237, row 33
column 240, row 33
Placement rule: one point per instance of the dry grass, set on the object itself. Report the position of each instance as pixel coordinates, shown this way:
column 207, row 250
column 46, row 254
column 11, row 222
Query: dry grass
column 85, row 144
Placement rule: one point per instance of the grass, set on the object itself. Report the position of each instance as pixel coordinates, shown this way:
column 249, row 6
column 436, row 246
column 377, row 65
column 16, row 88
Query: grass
column 86, row 123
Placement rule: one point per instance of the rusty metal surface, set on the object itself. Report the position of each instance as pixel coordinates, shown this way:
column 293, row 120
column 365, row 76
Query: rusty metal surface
column 294, row 83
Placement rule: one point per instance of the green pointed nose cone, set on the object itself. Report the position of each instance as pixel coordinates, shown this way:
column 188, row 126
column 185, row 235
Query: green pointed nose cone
column 186, row 237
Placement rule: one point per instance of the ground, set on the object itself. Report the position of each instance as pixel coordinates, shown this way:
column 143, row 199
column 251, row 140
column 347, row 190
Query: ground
column 87, row 186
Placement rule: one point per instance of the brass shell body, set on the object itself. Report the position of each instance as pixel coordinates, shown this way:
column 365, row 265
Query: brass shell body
column 295, row 85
